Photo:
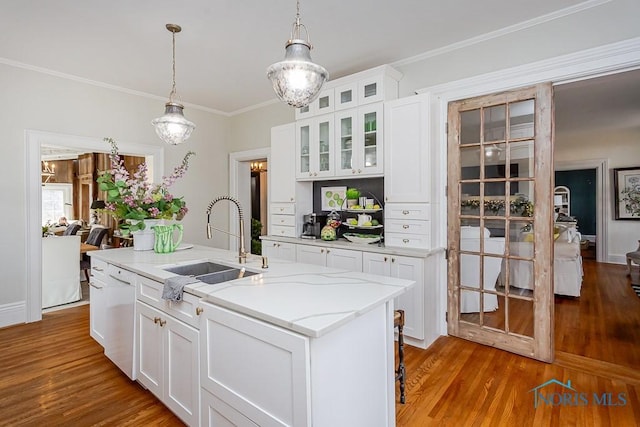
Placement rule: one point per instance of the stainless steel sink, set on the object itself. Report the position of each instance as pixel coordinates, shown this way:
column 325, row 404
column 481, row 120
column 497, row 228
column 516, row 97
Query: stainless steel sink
column 223, row 276
column 210, row 272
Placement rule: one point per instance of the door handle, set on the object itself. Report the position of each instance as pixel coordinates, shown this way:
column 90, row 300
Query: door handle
column 156, row 320
column 199, row 311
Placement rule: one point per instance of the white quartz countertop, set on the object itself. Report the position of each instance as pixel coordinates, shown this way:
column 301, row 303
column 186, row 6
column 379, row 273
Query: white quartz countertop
column 345, row 244
column 304, row 298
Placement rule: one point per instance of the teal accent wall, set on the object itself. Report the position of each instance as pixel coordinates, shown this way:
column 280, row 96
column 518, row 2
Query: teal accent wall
column 582, row 187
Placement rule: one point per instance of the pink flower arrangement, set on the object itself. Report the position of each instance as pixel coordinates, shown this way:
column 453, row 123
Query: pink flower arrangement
column 134, row 198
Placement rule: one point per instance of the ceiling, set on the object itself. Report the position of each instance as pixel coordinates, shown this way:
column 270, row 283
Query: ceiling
column 226, row 45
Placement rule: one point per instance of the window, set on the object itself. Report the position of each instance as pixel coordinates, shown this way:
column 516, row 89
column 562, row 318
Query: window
column 56, row 202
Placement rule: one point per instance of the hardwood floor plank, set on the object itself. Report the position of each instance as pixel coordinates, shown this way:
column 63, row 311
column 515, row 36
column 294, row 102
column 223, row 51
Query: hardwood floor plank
column 54, row 374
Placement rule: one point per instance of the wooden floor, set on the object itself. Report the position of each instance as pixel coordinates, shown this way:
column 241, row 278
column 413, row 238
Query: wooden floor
column 54, row 374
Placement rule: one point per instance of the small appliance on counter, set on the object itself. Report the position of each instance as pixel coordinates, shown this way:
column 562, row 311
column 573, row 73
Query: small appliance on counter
column 311, row 226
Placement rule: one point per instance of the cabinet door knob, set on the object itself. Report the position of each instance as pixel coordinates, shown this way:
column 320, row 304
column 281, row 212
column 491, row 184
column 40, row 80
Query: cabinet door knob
column 199, row 311
column 328, row 251
column 292, row 199
column 353, row 171
column 310, row 174
column 405, row 212
column 281, row 209
column 315, row 174
column 321, row 251
column 405, row 226
column 359, row 170
column 156, row 320
column 162, row 323
column 385, row 259
column 393, row 260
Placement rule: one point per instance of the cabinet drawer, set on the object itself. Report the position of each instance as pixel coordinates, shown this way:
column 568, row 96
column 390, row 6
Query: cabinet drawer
column 419, row 211
column 407, row 226
column 150, row 292
column 282, row 208
column 416, row 241
column 288, row 220
column 98, row 267
column 283, row 230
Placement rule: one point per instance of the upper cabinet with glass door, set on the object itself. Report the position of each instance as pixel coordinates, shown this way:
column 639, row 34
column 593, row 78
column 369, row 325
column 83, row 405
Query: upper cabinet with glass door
column 314, row 148
column 353, row 105
column 359, row 146
column 323, row 104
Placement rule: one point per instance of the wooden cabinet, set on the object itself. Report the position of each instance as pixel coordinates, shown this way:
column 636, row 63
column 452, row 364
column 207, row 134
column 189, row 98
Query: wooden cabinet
column 98, row 307
column 407, row 160
column 412, row 301
column 329, row 257
column 279, row 250
column 314, row 148
column 359, row 141
column 168, row 361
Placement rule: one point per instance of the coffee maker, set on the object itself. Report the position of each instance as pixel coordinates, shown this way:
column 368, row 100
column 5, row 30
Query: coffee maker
column 311, row 226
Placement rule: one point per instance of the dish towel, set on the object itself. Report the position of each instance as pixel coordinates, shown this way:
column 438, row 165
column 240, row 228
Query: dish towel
column 174, row 286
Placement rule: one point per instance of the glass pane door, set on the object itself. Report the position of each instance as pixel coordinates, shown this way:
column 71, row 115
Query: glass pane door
column 499, row 220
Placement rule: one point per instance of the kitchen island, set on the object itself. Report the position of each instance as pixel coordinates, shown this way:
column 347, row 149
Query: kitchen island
column 294, row 344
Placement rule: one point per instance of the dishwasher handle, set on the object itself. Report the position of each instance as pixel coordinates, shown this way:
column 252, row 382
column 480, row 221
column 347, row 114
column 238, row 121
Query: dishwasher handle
column 121, row 275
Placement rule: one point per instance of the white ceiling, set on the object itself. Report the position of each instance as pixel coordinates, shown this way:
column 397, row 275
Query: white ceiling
column 226, row 45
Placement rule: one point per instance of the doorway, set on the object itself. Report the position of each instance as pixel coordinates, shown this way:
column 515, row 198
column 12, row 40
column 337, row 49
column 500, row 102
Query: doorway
column 248, row 184
column 34, row 140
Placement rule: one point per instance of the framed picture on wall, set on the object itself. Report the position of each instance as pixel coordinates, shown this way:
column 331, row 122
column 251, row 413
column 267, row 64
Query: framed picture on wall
column 626, row 187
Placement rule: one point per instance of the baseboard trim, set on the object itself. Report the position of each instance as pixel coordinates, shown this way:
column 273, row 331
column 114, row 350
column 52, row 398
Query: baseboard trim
column 13, row 313
column 617, row 259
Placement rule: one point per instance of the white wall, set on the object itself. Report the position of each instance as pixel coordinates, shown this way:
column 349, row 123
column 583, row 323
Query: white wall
column 36, row 101
column 622, row 149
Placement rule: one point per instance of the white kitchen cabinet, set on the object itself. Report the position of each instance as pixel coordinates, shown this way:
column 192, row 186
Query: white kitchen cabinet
column 329, row 257
column 314, row 148
column 281, row 164
column 412, row 301
column 323, row 104
column 407, row 159
column 408, row 225
column 255, row 373
column 285, row 193
column 168, row 361
column 98, row 301
column 279, row 250
column 359, row 141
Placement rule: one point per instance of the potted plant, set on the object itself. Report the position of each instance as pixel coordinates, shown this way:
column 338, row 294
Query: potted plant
column 134, row 199
column 352, row 195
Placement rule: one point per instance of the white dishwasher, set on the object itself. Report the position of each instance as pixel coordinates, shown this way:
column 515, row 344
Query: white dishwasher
column 120, row 296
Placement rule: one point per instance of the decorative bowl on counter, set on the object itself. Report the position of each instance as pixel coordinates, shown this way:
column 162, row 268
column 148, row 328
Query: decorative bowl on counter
column 362, row 238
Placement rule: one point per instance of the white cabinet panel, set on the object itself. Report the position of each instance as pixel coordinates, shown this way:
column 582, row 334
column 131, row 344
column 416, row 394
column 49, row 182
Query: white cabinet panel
column 407, row 162
column 417, row 241
column 408, row 211
column 168, row 361
column 279, row 250
column 282, row 164
column 98, row 307
column 412, row 301
column 359, row 141
column 314, row 148
column 259, row 370
column 329, row 257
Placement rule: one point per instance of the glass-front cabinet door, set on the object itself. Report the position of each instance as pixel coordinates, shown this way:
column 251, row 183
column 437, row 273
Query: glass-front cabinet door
column 359, row 141
column 314, row 148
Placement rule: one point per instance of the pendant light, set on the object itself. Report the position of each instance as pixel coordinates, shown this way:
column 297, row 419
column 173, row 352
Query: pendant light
column 297, row 80
column 173, row 128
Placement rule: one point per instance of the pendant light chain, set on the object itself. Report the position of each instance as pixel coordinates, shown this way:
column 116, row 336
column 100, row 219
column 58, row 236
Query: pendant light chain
column 173, row 68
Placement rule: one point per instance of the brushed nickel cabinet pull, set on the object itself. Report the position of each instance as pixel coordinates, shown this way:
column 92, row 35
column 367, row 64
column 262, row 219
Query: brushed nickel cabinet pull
column 199, row 311
column 405, row 226
column 405, row 212
column 405, row 240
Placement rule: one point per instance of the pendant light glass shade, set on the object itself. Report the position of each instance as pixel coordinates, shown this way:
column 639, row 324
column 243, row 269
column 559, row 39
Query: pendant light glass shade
column 297, row 80
column 172, row 127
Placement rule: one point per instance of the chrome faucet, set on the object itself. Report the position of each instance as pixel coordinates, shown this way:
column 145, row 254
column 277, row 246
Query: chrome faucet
column 242, row 254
